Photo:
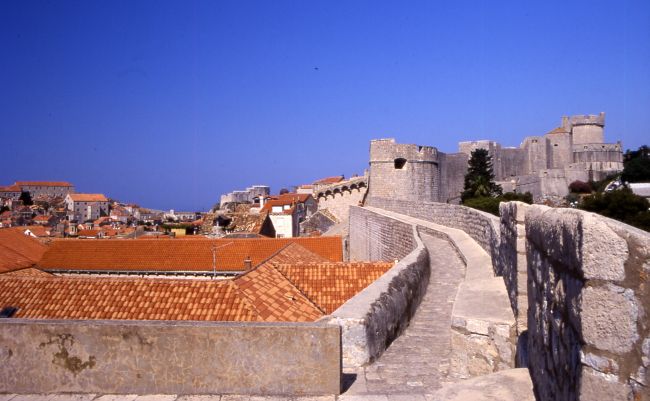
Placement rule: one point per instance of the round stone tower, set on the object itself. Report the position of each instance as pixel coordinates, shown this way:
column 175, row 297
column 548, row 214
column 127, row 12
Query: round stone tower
column 403, row 172
column 587, row 129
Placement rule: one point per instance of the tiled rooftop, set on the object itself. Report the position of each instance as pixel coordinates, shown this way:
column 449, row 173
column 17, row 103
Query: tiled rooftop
column 44, row 183
column 330, row 285
column 177, row 255
column 294, row 284
column 124, row 299
column 18, row 250
column 329, row 180
column 88, row 197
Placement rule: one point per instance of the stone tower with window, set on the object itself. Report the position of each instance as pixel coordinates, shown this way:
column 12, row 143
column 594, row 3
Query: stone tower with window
column 403, row 172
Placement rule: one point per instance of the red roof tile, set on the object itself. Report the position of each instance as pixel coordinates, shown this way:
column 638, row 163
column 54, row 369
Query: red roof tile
column 177, row 255
column 18, row 250
column 329, row 180
column 124, row 299
column 88, row 197
column 330, row 285
column 10, row 188
column 44, row 183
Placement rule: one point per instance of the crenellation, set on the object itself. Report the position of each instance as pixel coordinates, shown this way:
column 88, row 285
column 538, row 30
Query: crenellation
column 542, row 165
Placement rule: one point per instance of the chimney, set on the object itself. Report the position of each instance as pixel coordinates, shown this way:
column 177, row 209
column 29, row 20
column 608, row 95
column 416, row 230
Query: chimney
column 248, row 263
column 262, row 199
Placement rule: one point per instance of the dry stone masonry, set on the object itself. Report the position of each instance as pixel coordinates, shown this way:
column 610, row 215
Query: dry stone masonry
column 589, row 300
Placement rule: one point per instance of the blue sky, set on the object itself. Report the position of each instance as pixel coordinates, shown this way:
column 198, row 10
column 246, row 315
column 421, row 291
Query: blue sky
column 170, row 104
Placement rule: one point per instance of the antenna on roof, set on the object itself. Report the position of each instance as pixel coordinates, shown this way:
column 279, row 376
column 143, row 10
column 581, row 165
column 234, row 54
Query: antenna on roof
column 214, row 260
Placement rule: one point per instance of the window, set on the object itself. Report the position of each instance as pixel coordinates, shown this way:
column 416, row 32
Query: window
column 400, row 163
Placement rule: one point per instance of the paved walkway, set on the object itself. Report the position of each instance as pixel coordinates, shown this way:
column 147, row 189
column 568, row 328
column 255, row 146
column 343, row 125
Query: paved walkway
column 416, row 363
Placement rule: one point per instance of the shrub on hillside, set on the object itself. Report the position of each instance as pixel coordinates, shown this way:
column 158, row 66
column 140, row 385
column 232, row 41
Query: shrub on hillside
column 491, row 205
column 580, row 187
column 621, row 205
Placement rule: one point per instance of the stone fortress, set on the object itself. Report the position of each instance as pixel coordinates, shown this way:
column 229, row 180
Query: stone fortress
column 542, row 165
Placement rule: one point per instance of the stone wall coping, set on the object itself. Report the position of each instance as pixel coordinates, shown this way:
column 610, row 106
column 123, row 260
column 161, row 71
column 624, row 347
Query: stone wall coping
column 484, row 300
column 512, row 384
column 160, row 323
column 360, row 305
column 472, row 298
column 476, row 259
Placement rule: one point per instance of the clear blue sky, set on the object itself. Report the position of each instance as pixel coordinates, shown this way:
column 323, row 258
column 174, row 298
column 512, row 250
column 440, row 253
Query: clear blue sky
column 170, row 104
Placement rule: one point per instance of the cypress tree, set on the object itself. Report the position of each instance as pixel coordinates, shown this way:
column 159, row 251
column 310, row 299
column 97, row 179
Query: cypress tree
column 479, row 180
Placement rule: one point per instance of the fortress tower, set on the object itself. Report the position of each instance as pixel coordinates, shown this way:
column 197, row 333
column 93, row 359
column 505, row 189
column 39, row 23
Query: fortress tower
column 585, row 128
column 404, row 172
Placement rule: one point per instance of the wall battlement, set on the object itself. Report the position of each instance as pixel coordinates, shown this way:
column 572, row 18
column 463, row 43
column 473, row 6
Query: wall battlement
column 396, row 169
column 588, row 119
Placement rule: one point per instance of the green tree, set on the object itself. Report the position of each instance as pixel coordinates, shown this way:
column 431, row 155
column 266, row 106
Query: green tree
column 637, row 165
column 26, row 198
column 621, row 205
column 479, row 180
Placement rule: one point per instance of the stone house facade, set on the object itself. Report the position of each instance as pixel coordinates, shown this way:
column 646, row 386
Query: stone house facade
column 83, row 207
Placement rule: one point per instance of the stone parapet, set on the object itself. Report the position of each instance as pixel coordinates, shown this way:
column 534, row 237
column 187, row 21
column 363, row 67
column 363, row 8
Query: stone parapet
column 147, row 357
column 482, row 227
column 589, row 306
column 482, row 327
column 373, row 318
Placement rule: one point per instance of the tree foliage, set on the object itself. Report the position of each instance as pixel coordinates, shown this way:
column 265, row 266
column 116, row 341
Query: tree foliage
column 479, row 180
column 637, row 165
column 580, row 187
column 621, row 205
column 491, row 204
column 26, row 198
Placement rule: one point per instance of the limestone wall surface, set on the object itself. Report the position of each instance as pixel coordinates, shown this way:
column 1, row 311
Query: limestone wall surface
column 588, row 306
column 338, row 204
column 482, row 325
column 482, row 227
column 373, row 318
column 512, row 264
column 376, row 237
column 146, row 357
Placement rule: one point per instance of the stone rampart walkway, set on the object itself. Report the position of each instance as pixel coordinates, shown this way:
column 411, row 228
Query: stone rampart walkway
column 416, row 363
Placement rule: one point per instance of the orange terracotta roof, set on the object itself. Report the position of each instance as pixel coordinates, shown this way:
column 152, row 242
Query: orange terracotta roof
column 18, row 250
column 88, row 197
column 329, row 180
column 42, row 218
column 88, row 233
column 124, row 299
column 44, row 183
column 10, row 188
column 330, row 285
column 298, row 292
column 175, row 255
column 26, row 272
column 275, row 298
column 38, row 231
column 558, row 130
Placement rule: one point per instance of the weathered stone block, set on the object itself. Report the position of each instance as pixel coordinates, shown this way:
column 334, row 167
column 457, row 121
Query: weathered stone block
column 599, row 363
column 609, row 316
column 597, row 386
column 144, row 357
column 604, row 252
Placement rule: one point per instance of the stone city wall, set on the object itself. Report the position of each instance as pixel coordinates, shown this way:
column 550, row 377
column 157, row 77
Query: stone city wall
column 147, row 357
column 512, row 265
column 482, row 227
column 588, row 306
column 338, row 204
column 372, row 319
column 482, row 327
column 376, row 237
